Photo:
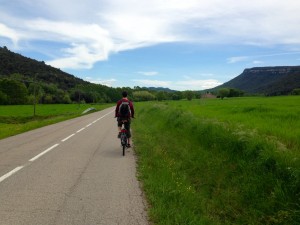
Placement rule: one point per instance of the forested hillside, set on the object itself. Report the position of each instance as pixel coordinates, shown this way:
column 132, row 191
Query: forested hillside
column 13, row 63
column 23, row 78
column 24, row 81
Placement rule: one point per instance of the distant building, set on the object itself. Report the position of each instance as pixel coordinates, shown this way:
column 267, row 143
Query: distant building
column 208, row 95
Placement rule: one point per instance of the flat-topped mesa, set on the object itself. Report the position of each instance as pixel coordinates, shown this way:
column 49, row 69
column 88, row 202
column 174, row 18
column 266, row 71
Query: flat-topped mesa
column 275, row 69
column 277, row 80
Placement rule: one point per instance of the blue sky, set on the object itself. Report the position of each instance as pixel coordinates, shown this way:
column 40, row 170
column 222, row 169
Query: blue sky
column 182, row 45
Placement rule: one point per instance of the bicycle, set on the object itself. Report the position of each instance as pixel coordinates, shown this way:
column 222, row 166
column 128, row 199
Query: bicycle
column 124, row 138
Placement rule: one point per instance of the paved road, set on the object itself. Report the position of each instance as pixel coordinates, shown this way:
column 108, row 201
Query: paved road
column 70, row 173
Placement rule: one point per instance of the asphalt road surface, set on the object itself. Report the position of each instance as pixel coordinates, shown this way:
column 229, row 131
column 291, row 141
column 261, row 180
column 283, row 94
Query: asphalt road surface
column 70, row 173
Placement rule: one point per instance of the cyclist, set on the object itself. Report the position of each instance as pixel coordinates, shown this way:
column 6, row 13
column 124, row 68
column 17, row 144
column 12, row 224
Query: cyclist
column 124, row 112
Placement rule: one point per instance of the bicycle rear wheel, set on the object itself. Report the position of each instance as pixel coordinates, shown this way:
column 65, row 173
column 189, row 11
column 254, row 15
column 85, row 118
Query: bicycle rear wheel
column 124, row 140
column 124, row 147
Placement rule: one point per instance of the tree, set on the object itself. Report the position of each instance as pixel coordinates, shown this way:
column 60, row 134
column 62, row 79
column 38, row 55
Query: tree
column 160, row 96
column 67, row 99
column 224, row 92
column 3, row 98
column 48, row 99
column 143, row 96
column 36, row 91
column 296, row 91
column 176, row 96
column 233, row 92
column 59, row 96
column 76, row 95
column 15, row 91
column 189, row 95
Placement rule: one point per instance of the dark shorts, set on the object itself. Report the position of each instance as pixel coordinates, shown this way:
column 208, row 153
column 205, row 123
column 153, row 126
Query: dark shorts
column 126, row 122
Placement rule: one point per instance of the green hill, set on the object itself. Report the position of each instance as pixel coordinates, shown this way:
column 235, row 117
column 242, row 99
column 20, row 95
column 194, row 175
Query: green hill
column 18, row 74
column 280, row 80
column 13, row 63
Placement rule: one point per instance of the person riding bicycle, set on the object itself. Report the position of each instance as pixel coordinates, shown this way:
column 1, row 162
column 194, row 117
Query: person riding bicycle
column 124, row 112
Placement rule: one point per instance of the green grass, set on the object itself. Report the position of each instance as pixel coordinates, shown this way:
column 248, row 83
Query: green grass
column 220, row 162
column 17, row 119
column 277, row 117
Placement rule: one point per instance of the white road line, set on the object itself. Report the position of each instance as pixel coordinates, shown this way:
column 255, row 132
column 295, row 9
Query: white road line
column 94, row 121
column 80, row 130
column 44, row 152
column 105, row 115
column 10, row 173
column 63, row 140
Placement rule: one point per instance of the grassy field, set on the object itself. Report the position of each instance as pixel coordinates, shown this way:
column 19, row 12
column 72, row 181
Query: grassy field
column 19, row 118
column 212, row 161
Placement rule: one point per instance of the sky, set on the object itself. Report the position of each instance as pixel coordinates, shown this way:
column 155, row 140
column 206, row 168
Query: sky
column 181, row 45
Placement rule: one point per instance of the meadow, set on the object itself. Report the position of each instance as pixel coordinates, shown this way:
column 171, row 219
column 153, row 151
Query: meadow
column 206, row 161
column 212, row 161
column 15, row 119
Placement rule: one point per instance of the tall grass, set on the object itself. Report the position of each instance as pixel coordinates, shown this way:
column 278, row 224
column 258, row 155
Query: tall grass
column 201, row 167
column 15, row 119
column 277, row 117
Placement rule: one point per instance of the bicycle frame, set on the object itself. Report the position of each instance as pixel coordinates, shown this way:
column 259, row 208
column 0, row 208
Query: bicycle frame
column 124, row 139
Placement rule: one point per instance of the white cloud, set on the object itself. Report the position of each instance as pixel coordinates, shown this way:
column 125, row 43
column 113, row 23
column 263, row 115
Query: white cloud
column 196, row 84
column 9, row 33
column 207, row 74
column 237, row 59
column 257, row 62
column 78, row 56
column 96, row 28
column 107, row 82
column 153, row 83
column 88, row 43
column 180, row 85
column 148, row 73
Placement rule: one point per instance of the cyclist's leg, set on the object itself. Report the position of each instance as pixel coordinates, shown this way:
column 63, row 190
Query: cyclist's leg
column 127, row 127
column 119, row 126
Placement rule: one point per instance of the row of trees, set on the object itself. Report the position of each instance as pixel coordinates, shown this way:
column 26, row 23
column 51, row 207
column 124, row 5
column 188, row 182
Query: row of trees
column 233, row 92
column 18, row 90
column 143, row 94
column 230, row 92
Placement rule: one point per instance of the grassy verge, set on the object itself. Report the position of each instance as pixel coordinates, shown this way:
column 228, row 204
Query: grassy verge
column 19, row 118
column 211, row 170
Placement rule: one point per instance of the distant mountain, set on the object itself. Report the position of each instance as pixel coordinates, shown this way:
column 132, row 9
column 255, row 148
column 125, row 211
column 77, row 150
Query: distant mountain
column 11, row 63
column 279, row 80
column 160, row 89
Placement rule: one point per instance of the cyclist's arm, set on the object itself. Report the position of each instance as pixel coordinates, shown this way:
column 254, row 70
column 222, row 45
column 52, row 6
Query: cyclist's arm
column 117, row 109
column 131, row 109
